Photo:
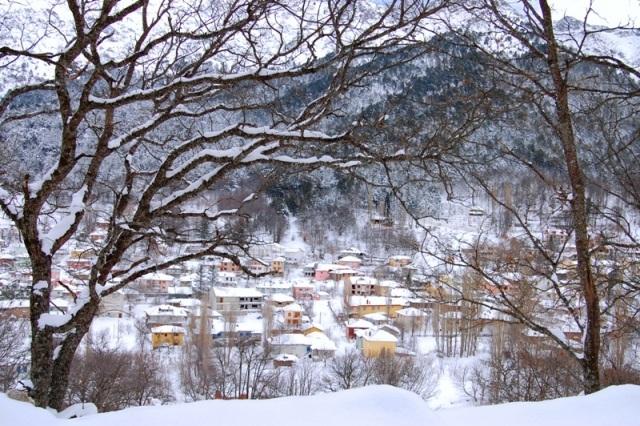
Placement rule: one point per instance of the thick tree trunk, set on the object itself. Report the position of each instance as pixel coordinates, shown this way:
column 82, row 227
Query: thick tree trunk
column 41, row 339
column 591, row 343
column 62, row 363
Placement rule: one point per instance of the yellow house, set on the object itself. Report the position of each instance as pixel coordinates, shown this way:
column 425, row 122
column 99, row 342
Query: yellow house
column 363, row 305
column 312, row 329
column 277, row 266
column 167, row 335
column 375, row 342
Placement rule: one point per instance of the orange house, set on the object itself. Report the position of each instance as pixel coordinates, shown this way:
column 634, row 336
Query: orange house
column 293, row 315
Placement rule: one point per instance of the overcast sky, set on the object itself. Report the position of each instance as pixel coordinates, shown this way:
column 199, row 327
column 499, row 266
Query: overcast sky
column 609, row 12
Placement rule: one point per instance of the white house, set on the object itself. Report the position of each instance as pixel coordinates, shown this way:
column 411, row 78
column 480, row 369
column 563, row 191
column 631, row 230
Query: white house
column 294, row 344
column 166, row 315
column 231, row 300
column 228, row 279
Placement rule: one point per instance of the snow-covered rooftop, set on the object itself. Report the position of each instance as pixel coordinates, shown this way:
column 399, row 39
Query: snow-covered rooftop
column 157, row 276
column 290, row 339
column 236, row 292
column 378, row 335
column 293, row 307
column 166, row 310
column 376, row 301
column 167, row 329
column 281, row 298
column 350, row 259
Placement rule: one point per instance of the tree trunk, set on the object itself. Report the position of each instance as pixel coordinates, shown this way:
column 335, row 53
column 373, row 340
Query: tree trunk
column 591, row 343
column 41, row 338
column 62, row 363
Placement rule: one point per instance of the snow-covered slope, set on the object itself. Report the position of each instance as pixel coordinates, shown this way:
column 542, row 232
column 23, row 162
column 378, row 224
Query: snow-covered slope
column 370, row 406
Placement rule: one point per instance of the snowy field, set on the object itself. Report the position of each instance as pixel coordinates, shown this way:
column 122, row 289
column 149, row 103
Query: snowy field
column 370, row 406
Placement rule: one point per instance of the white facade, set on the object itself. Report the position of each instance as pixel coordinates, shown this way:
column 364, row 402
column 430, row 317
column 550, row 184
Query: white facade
column 230, row 300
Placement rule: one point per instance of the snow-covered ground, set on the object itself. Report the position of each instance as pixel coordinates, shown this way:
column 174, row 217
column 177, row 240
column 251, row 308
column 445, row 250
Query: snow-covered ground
column 370, row 406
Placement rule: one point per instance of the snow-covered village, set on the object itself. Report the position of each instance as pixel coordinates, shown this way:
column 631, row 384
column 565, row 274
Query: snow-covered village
column 320, row 212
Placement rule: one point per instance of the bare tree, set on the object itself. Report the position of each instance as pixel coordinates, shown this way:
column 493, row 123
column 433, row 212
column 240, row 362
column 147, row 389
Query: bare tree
column 150, row 108
column 346, row 371
column 13, row 351
column 523, row 370
column 538, row 74
column 113, row 379
column 416, row 374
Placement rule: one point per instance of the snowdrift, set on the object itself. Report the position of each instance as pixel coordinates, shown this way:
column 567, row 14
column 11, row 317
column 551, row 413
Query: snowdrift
column 371, row 406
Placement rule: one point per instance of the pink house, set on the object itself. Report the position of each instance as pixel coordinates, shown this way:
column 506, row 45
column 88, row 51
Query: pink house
column 304, row 291
column 323, row 270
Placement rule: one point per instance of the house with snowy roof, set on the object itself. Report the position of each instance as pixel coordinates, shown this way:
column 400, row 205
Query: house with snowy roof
column 274, row 287
column 167, row 335
column 323, row 270
column 376, row 342
column 113, row 305
column 293, row 315
column 277, row 266
column 352, row 251
column 360, row 286
column 412, row 319
column 343, row 274
column 357, row 324
column 358, row 306
column 17, row 308
column 321, row 346
column 352, row 262
column 235, row 301
column 293, row 344
column 279, row 300
column 227, row 265
column 304, row 291
column 246, row 328
column 156, row 282
column 180, row 292
column 166, row 315
column 284, row 360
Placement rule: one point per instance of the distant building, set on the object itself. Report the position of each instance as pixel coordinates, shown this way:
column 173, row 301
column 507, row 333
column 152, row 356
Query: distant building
column 167, row 335
column 227, row 265
column 227, row 279
column 352, row 262
column 166, row 315
column 359, row 306
column 354, row 325
column 360, row 286
column 234, row 301
column 156, row 282
column 293, row 315
column 293, row 344
column 304, row 291
column 323, row 270
column 376, row 342
column 277, row 265
column 399, row 261
column 17, row 308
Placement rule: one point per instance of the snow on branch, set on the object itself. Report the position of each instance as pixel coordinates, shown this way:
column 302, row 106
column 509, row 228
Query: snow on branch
column 7, row 203
column 208, row 78
column 66, row 223
column 192, row 187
